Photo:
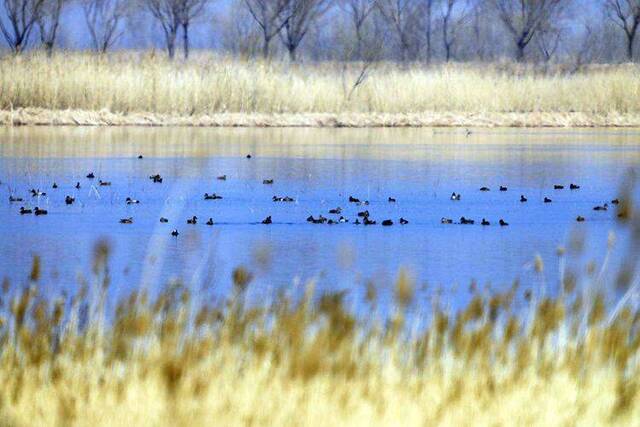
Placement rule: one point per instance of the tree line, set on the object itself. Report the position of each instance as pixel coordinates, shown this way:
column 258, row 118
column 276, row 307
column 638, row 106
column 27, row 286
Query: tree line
column 363, row 30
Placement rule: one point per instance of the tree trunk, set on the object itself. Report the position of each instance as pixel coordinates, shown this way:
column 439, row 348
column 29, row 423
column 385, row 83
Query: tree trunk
column 265, row 47
column 185, row 40
column 292, row 52
column 630, row 39
column 48, row 46
column 520, row 51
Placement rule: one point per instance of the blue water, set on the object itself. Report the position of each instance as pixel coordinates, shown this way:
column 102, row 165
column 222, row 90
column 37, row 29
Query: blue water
column 420, row 169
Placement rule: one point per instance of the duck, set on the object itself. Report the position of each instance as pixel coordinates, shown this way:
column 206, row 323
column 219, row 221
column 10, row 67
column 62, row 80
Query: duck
column 157, row 179
column 343, row 220
column 91, row 175
column 368, row 221
column 126, row 220
column 37, row 193
column 210, row 222
column 558, row 187
column 331, row 222
column 140, row 157
column 455, row 196
column 392, row 200
column 357, row 222
column 503, row 188
column 248, row 156
column 175, row 233
column 464, row 220
column 131, row 201
column 353, row 200
column 573, row 186
column 37, row 211
column 222, row 178
column 267, row 220
column 363, row 214
column 523, row 199
column 547, row 200
column 387, row 223
column 485, row 189
column 193, row 220
column 267, row 181
column 320, row 220
column 24, row 211
column 580, row 218
column 163, row 220
column 444, row 220
column 336, row 211
column 213, row 196
column 615, row 202
column 403, row 221
column 54, row 186
column 77, row 185
column 601, row 208
column 15, row 199
column 283, row 199
column 503, row 223
column 104, row 183
column 69, row 200
column 485, row 222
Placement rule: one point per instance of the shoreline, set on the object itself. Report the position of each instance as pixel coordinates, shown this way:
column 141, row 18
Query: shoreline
column 45, row 117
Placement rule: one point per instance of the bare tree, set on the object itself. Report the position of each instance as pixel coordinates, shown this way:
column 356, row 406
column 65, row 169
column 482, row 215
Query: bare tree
column 169, row 14
column 626, row 15
column 428, row 6
column 403, row 16
column 49, row 21
column 103, row 19
column 271, row 16
column 523, row 18
column 548, row 41
column 21, row 16
column 454, row 13
column 358, row 12
column 300, row 14
column 189, row 10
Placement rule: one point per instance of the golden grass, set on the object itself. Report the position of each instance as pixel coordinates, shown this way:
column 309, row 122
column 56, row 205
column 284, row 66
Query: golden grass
column 142, row 88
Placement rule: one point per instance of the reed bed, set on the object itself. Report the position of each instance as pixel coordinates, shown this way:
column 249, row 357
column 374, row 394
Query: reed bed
column 143, row 82
column 539, row 355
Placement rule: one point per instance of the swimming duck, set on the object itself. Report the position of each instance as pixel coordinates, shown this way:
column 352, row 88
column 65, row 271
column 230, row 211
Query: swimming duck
column 37, row 211
column 104, row 183
column 503, row 223
column 77, row 185
column 267, row 220
column 320, row 220
column 163, row 220
column 24, row 211
column 444, row 220
column 485, row 189
column 69, row 200
column 126, row 220
column 131, row 201
column 455, row 196
column 175, row 233
column 601, row 208
column 210, row 222
column 283, row 199
column 353, row 200
column 523, row 199
column 392, row 200
column 615, row 202
column 558, row 187
column 54, row 186
column 574, row 186
column 267, row 181
column 368, row 221
column 331, row 222
column 485, row 222
column 387, row 223
column 503, row 188
column 363, row 214
column 37, row 193
column 547, row 200
column 193, row 220
column 15, row 199
column 343, row 220
column 140, row 157
column 222, row 178
column 213, row 196
column 580, row 218
column 357, row 222
column 403, row 221
column 336, row 211
column 464, row 220
column 248, row 156
column 90, row 175
column 157, row 179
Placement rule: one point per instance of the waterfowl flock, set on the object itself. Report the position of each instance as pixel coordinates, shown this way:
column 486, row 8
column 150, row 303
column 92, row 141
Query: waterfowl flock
column 338, row 214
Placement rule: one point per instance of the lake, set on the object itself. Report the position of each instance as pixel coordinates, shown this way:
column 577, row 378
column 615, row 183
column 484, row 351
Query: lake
column 320, row 169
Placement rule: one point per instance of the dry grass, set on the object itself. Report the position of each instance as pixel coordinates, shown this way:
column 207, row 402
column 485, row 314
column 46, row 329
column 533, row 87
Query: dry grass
column 141, row 88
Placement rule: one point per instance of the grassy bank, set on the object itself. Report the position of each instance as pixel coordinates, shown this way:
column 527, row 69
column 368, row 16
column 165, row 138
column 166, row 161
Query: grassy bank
column 144, row 89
